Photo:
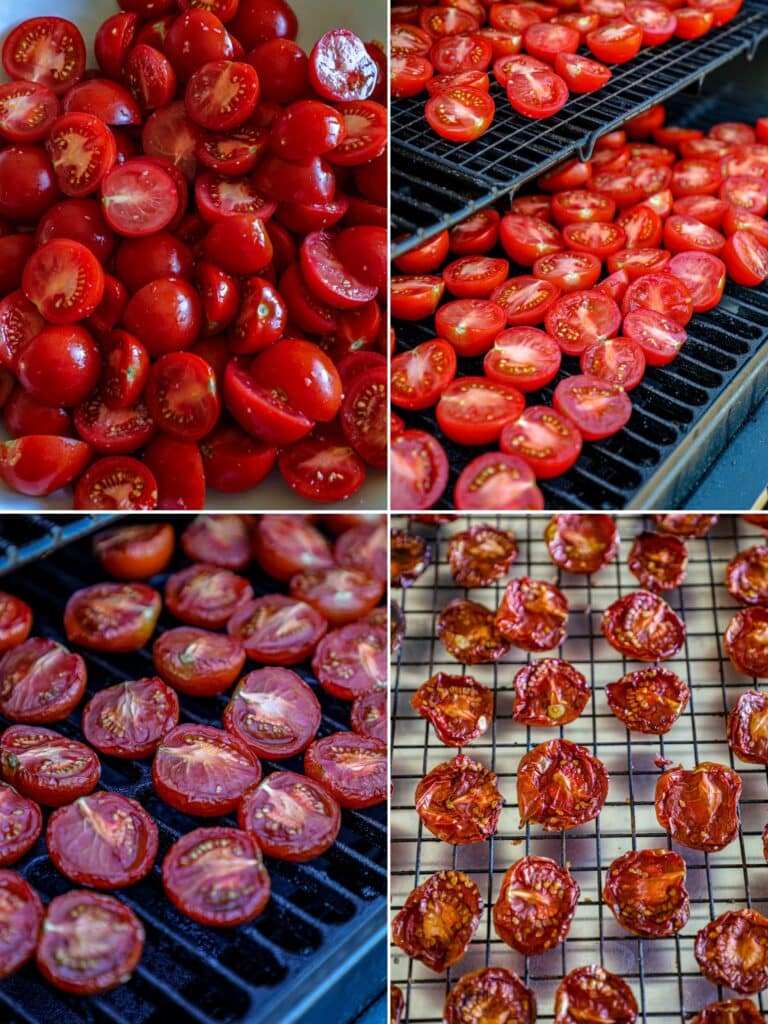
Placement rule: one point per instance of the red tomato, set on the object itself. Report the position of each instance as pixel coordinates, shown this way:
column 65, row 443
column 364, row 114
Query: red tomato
column 414, row 298
column 535, row 905
column 284, row 545
column 40, row 464
column 532, row 615
column 581, row 543
column 339, row 595
column 578, row 206
column 15, row 621
column 221, row 540
column 116, row 482
column 746, row 258
column 734, row 219
column 20, row 322
column 129, row 719
column 139, row 197
column 459, row 708
column 474, row 276
column 409, row 74
column 546, row 41
column 291, row 816
column 657, row 22
column 206, row 595
column 450, row 897
column 662, row 293
column 637, row 262
column 27, row 111
column 47, row 767
column 460, row 114
column 746, row 575
column 216, row 876
column 135, row 552
column 659, row 337
column 525, row 238
column 470, row 324
column 722, row 11
column 196, row 661
column 459, row 801
column 691, row 24
column 581, row 318
column 745, row 641
column 642, row 625
column 732, row 950
column 597, row 407
column 277, row 629
column 685, row 524
column 64, row 280
column 658, row 561
column 695, row 177
column 352, row 768
column 82, row 150
column 425, row 258
column 548, row 441
column 273, row 712
column 490, row 990
column 40, row 682
column 525, row 299
column 112, row 616
column 164, row 315
column 729, row 1011
column 747, row 735
column 222, row 94
column 419, row 470
column 549, row 692
column 593, row 991
column 49, row 51
column 523, row 356
column 468, row 632
column 351, row 660
column 649, row 700
column 570, row 271
column 362, row 547
column 21, row 826
column 461, row 53
column 536, row 92
column 473, row 410
column 615, row 42
column 699, row 807
column 581, row 74
column 497, row 480
column 571, row 174
column 420, row 375
column 560, row 785
column 618, row 361
column 475, row 235
column 703, row 275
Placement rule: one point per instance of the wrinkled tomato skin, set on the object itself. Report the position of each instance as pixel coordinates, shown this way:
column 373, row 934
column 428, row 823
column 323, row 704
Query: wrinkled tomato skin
column 523, row 621
column 594, row 992
column 197, row 662
column 273, row 712
column 645, row 890
column 438, row 920
column 560, row 785
column 747, row 727
column 535, row 906
column 21, row 823
column 729, row 1011
column 495, row 991
column 459, row 708
column 97, row 617
column 658, row 561
column 641, row 625
column 649, row 700
column 21, row 917
column 468, row 632
column 364, row 784
column 480, row 555
column 581, row 543
column 746, row 576
column 550, row 692
column 129, row 719
column 745, row 641
column 700, row 807
column 135, row 552
column 284, row 545
column 685, row 524
column 40, row 682
column 278, row 834
column 410, row 556
column 368, row 714
column 732, row 951
column 206, row 595
column 321, row 589
column 51, row 788
column 221, row 540
column 459, row 801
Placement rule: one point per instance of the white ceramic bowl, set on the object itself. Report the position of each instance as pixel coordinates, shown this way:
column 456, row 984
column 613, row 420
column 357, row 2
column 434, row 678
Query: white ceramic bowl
column 369, row 20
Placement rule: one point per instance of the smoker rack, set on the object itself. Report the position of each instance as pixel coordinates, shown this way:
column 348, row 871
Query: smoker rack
column 324, row 919
column 436, row 183
column 662, row 973
column 683, row 413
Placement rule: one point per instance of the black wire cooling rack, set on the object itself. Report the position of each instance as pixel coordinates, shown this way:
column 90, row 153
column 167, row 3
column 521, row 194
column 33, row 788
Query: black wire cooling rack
column 662, row 973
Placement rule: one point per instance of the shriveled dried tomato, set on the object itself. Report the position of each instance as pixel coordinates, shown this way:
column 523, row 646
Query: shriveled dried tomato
column 685, row 524
column 700, row 808
column 594, row 994
column 748, row 727
column 642, row 625
column 438, row 919
column 560, row 785
column 746, row 575
column 746, row 641
column 459, row 801
column 729, row 1011
column 481, row 554
column 490, row 994
column 581, row 542
column 648, row 700
column 409, row 556
column 532, row 615
column 459, row 708
column 646, row 891
column 396, row 1004
column 658, row 560
column 468, row 632
column 550, row 692
column 535, row 906
column 732, row 950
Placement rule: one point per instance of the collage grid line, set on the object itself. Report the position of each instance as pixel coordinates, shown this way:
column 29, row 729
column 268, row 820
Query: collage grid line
column 662, row 973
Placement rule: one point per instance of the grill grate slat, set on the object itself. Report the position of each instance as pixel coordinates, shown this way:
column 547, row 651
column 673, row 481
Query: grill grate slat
column 662, row 972
column 320, row 913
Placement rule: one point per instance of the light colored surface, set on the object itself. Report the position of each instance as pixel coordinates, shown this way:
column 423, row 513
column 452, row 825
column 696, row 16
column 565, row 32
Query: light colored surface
column 369, row 20
column 650, row 966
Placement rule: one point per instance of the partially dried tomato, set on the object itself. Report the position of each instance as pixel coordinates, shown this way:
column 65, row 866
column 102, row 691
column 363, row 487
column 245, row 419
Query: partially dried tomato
column 700, row 808
column 729, row 1011
column 594, row 994
column 581, row 542
column 409, row 557
column 642, row 625
column 685, row 524
column 648, row 700
column 481, row 554
column 746, row 641
column 490, row 994
column 459, row 708
column 646, row 891
column 469, row 634
column 748, row 727
column 550, row 692
column 438, row 919
column 532, row 615
column 459, row 801
column 658, row 560
column 732, row 950
column 396, row 1004
column 746, row 575
column 536, row 904
column 560, row 785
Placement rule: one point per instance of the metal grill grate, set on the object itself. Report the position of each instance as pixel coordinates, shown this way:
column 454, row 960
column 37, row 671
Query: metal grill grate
column 436, row 183
column 662, row 973
column 325, row 917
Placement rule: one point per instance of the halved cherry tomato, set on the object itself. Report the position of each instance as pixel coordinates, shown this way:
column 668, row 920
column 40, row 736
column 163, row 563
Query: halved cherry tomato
column 419, row 470
column 27, row 111
column 532, row 615
column 474, row 276
column 490, row 990
column 459, row 801
column 40, row 464
column 642, row 625
column 409, row 74
column 129, row 719
column 284, row 545
column 415, row 297
column 49, row 50
column 196, row 661
column 581, row 74
column 112, row 616
column 47, row 767
column 64, row 280
column 619, row 361
column 477, row 234
column 747, row 736
column 291, row 816
column 536, row 92
column 746, row 576
column 470, row 324
column 732, row 950
column 473, row 410
column 616, row 42
column 560, row 785
column 579, row 206
column 581, row 543
column 351, row 660
column 22, row 823
column 746, row 641
column 468, row 632
column 700, row 807
column 277, row 629
column 570, row 271
column 525, row 299
column 116, row 482
column 273, row 712
column 598, row 408
column 550, row 692
column 658, row 561
column 662, row 293
column 593, row 991
column 459, row 708
column 461, row 53
column 426, row 257
column 460, row 114
column 547, row 440
column 581, row 318
column 746, row 258
column 409, row 557
column 40, row 681
column 420, row 375
column 526, row 238
column 649, row 700
column 438, row 919
column 728, row 1011
column 535, row 906
column 660, row 337
column 352, row 768
column 497, row 481
column 523, row 356
column 15, row 621
column 222, row 94
column 340, row 68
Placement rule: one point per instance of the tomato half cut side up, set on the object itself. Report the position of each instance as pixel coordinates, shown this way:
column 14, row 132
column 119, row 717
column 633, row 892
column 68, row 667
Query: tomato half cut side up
column 352, row 768
column 452, row 819
column 292, row 817
column 419, row 470
column 535, row 906
column 349, row 661
column 497, row 481
column 450, row 897
column 129, row 719
column 45, row 766
column 597, row 407
column 277, row 630
column 273, row 712
column 22, row 823
column 459, row 708
column 473, row 410
column 40, row 682
column 50, row 51
column 547, row 440
column 139, row 197
column 460, row 114
column 526, row 357
column 197, row 661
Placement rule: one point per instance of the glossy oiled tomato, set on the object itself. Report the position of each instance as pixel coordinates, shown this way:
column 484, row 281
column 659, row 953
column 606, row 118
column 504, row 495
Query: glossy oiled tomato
column 548, row 441
column 352, row 768
column 658, row 561
column 274, row 712
column 15, row 621
column 645, row 890
column 459, row 801
column 594, row 992
column 135, row 552
column 103, row 840
column 196, row 661
column 129, row 720
column 642, row 625
column 473, row 410
column 206, row 595
column 532, row 614
column 292, row 817
column 649, row 700
column 438, row 919
column 350, row 660
column 498, row 481
column 748, row 728
column 732, row 950
column 660, row 337
column 410, row 555
column 40, row 682
column 550, row 692
column 420, row 375
column 746, row 576
column 277, row 629
column 47, row 767
column 339, row 595
column 21, row 823
column 536, row 92
column 64, row 280
column 491, row 992
column 560, row 785
column 112, row 616
column 700, row 808
column 535, row 905
column 220, row 540
column 216, row 876
column 50, row 51
column 27, row 111
column 284, row 545
column 459, row 708
column 21, row 916
column 581, row 543
column 460, row 113
column 746, row 641
column 470, row 324
column 468, row 632
column 581, row 74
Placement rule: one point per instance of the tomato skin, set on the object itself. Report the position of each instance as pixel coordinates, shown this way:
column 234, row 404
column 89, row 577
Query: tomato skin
column 642, row 625
column 27, row 183
column 535, row 905
column 593, row 990
column 746, row 258
column 615, row 43
column 659, row 562
column 112, row 616
column 21, row 828
column 60, row 366
column 40, row 464
column 113, row 40
column 699, row 807
column 729, row 1011
column 548, row 693
column 284, row 545
column 45, row 766
column 165, row 315
column 468, row 632
column 645, row 890
column 532, row 615
column 40, row 682
column 273, row 712
column 363, row 786
column 560, row 785
column 450, row 897
column 22, row 918
column 459, row 821
column 744, row 641
column 304, row 374
column 419, row 470
column 745, row 575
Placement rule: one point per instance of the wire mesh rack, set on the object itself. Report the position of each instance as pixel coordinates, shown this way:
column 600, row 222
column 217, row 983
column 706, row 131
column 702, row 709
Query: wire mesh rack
column 662, row 973
column 325, row 919
column 436, row 183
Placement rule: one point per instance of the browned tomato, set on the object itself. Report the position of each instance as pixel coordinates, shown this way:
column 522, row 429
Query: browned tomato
column 459, row 801
column 459, row 708
column 489, row 995
column 645, row 889
column 581, row 543
column 648, row 700
column 641, row 625
column 550, row 692
column 481, row 554
column 732, row 950
column 758, row 519
column 700, row 808
column 729, row 1011
column 532, row 615
column 746, row 575
column 560, row 785
column 594, row 994
column 658, row 560
column 396, row 1005
column 748, row 727
column 409, row 556
column 746, row 641
column 685, row 524
column 536, row 904
column 469, row 634
column 439, row 919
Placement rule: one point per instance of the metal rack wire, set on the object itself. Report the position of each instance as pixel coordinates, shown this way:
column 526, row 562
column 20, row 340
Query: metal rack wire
column 662, row 972
column 436, row 183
